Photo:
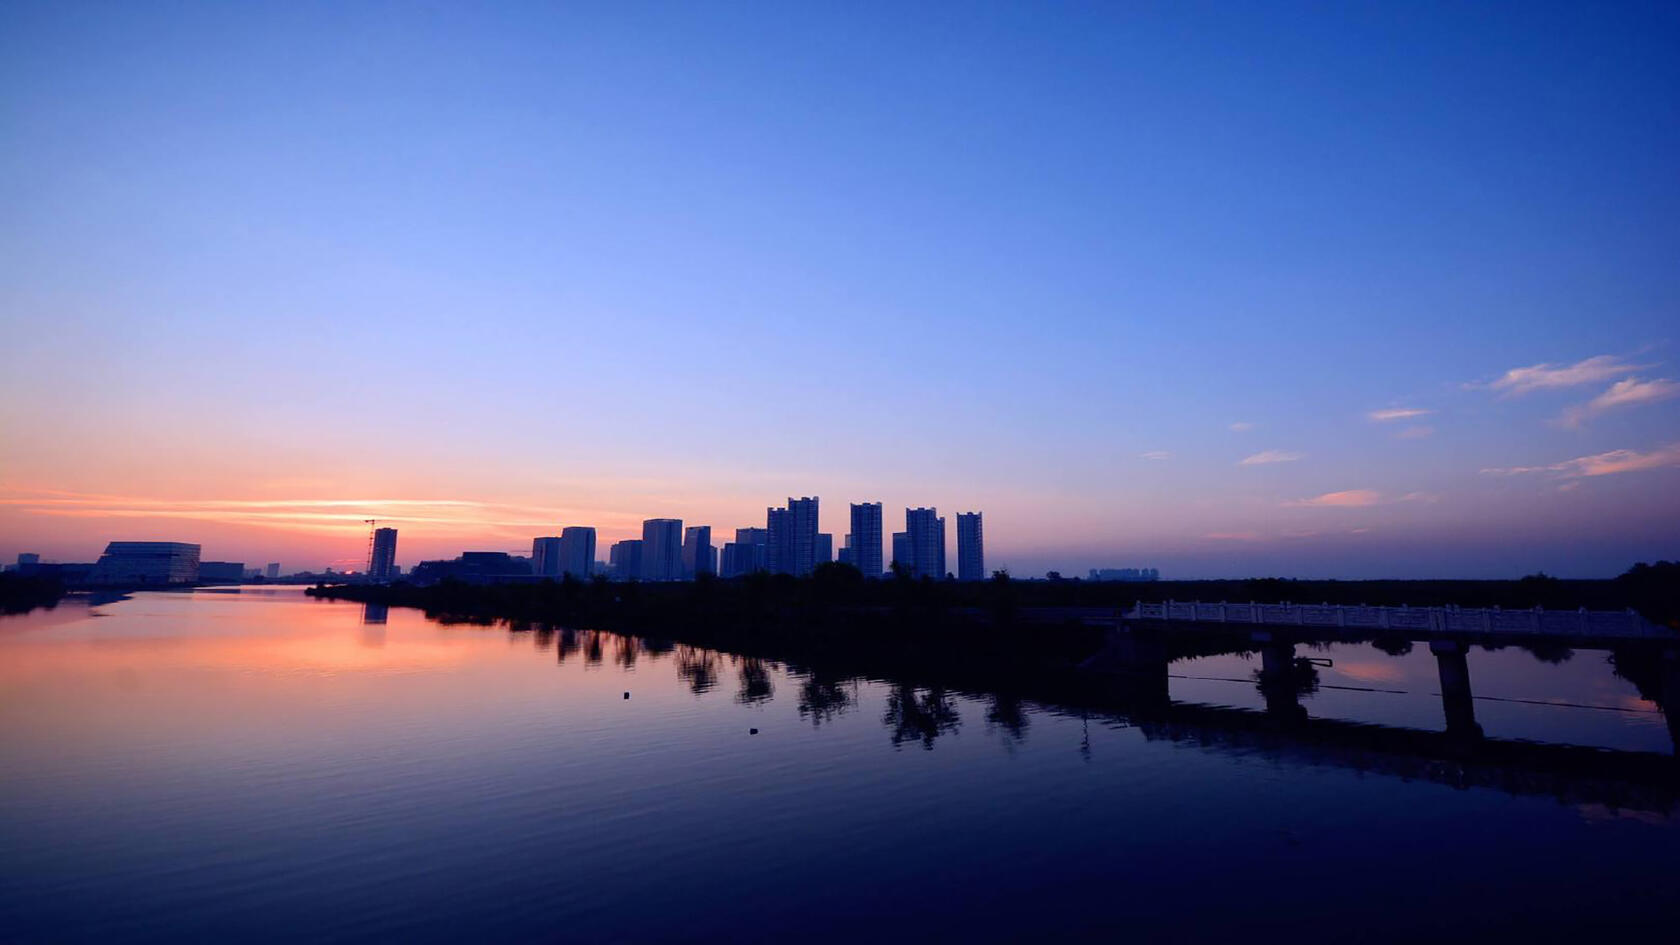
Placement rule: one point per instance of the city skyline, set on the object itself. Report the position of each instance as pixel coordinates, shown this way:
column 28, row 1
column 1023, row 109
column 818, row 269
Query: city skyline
column 1362, row 292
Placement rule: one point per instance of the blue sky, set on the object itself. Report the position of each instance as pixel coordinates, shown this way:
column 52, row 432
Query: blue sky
column 593, row 263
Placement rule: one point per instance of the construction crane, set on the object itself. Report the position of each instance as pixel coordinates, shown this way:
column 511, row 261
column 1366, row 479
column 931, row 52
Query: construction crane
column 373, row 530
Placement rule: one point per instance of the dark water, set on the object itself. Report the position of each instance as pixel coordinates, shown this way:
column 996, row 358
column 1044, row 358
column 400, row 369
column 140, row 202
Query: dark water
column 254, row 765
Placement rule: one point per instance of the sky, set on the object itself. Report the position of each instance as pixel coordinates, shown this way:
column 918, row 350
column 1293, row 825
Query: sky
column 1317, row 290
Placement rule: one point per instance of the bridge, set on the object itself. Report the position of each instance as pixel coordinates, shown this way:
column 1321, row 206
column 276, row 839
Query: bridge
column 1426, row 622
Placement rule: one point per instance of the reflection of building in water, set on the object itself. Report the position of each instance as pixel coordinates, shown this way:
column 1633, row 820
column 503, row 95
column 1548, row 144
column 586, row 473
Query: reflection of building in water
column 147, row 562
column 375, row 613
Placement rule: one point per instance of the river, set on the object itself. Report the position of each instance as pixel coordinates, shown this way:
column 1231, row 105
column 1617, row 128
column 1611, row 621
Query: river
column 250, row 764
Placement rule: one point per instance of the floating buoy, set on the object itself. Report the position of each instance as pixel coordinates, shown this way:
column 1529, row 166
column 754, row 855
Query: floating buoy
column 752, row 731
column 627, row 695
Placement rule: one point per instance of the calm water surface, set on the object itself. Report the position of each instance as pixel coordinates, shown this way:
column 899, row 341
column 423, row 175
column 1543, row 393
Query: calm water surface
column 255, row 765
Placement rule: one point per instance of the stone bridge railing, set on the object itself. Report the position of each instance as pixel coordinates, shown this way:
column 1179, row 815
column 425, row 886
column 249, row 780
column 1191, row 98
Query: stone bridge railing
column 1565, row 623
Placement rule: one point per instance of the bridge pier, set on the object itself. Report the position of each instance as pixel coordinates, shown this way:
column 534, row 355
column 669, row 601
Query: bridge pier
column 1671, row 696
column 1277, row 678
column 1456, row 699
column 1137, row 660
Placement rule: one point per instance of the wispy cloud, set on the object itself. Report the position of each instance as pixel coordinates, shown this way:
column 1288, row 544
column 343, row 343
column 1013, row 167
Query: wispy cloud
column 1346, row 499
column 1548, row 376
column 1599, row 464
column 1397, row 413
column 322, row 516
column 1628, row 392
column 1415, row 433
column 1270, row 456
column 1241, row 426
column 1233, row 536
column 1156, row 455
column 1357, row 499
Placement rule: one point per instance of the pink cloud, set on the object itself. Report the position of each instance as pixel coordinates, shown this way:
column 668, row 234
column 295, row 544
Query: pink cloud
column 1346, row 499
column 1628, row 392
column 1397, row 413
column 1535, row 377
column 1600, row 464
column 1270, row 456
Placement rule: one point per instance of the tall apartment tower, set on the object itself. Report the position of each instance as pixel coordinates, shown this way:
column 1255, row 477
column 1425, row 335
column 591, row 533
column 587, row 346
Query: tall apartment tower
column 926, row 532
column 698, row 555
column 971, row 547
column 383, row 557
column 825, row 549
column 625, row 561
column 272, row 572
column 662, row 549
column 792, row 537
column 865, row 538
column 577, row 551
column 545, row 557
column 901, row 550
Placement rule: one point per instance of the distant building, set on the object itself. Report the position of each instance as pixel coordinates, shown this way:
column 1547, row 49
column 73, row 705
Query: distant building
column 147, row 562
column 926, row 531
column 698, row 555
column 865, row 538
column 971, row 547
column 825, row 548
column 1125, row 574
column 383, row 554
column 577, row 551
column 221, row 572
column 476, row 567
column 272, row 572
column 662, row 549
column 624, row 560
column 545, row 557
column 901, row 550
column 791, row 547
column 845, row 556
column 746, row 554
column 27, row 559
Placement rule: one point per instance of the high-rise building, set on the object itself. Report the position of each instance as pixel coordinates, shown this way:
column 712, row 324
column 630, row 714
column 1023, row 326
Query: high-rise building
column 865, row 538
column 901, row 550
column 577, row 551
column 273, row 571
column 746, row 554
column 662, row 540
column 792, row 537
column 825, row 549
column 777, row 544
column 927, row 542
column 625, row 559
column 971, row 547
column 545, row 557
column 383, row 554
column 845, row 556
column 698, row 555
column 147, row 562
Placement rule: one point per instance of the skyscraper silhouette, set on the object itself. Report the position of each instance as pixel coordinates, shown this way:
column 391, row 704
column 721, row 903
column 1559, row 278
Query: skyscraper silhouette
column 865, row 538
column 971, row 547
column 662, row 549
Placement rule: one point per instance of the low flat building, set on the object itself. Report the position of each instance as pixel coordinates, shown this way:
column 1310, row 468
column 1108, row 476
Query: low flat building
column 146, row 562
